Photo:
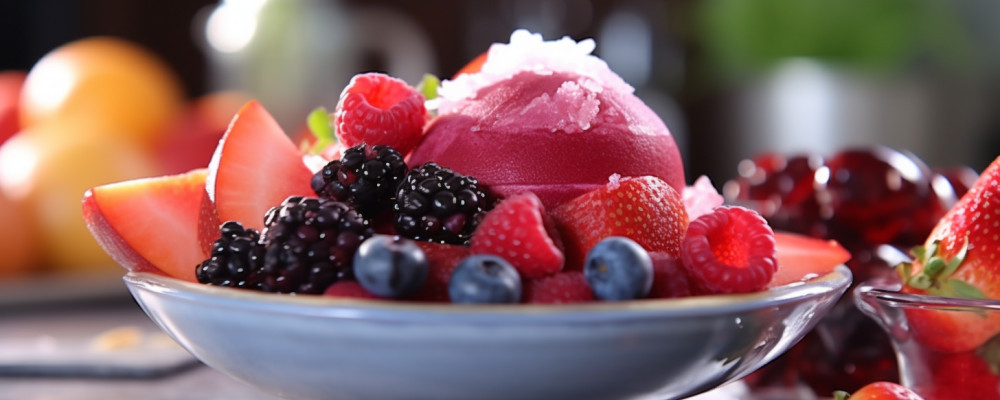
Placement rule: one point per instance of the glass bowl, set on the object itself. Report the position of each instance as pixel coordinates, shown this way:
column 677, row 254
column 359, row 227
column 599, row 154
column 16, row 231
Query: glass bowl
column 314, row 347
column 946, row 348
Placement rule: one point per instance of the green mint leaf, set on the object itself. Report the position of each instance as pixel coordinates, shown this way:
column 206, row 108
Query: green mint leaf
column 321, row 126
column 428, row 86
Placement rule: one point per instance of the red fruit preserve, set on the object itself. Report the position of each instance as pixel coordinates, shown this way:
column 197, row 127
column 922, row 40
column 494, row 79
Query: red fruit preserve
column 877, row 202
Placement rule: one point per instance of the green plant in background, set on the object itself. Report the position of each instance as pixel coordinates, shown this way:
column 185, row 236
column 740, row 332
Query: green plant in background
column 740, row 38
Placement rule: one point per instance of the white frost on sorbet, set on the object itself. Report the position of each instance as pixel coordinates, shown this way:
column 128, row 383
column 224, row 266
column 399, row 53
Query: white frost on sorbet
column 529, row 52
column 614, row 181
column 701, row 198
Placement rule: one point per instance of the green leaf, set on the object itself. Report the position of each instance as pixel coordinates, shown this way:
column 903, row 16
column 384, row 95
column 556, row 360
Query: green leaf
column 957, row 260
column 322, row 128
column 921, row 282
column 964, row 290
column 934, row 267
column 990, row 353
column 919, row 253
column 841, row 395
column 905, row 271
column 428, row 86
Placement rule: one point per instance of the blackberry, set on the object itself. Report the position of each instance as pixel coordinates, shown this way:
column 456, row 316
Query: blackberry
column 436, row 204
column 236, row 257
column 310, row 244
column 365, row 177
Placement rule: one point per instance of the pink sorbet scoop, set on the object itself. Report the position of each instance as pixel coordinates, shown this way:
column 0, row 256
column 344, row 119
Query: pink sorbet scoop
column 558, row 131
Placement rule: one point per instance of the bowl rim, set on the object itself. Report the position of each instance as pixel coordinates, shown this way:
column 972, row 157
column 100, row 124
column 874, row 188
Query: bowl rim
column 837, row 280
column 888, row 290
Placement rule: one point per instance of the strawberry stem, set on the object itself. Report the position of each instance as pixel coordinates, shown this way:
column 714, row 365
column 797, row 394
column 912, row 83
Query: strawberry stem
column 935, row 278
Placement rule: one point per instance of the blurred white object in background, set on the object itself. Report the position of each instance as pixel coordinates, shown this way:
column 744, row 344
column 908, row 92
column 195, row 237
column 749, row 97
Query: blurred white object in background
column 296, row 55
column 806, row 105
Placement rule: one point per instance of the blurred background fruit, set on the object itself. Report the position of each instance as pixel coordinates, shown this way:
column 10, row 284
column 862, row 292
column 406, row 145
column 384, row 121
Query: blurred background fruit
column 878, row 202
column 49, row 176
column 19, row 243
column 91, row 111
column 191, row 137
column 11, row 83
column 112, row 86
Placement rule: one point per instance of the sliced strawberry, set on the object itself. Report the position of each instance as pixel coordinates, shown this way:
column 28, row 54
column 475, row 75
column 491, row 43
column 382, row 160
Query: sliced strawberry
column 645, row 209
column 802, row 257
column 379, row 109
column 473, row 66
column 255, row 167
column 730, row 250
column 564, row 287
column 519, row 231
column 208, row 222
column 152, row 224
column 669, row 278
column 442, row 259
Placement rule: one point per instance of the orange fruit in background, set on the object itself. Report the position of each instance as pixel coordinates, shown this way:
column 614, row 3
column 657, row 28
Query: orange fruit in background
column 50, row 176
column 18, row 240
column 114, row 86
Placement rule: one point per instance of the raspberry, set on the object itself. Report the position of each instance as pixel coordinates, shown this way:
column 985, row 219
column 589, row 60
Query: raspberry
column 436, row 204
column 519, row 231
column 669, row 278
column 236, row 257
column 561, row 288
column 310, row 244
column 730, row 250
column 442, row 259
column 365, row 177
column 379, row 109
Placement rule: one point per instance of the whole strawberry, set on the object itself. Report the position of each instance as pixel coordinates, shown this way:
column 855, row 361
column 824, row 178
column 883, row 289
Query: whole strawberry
column 959, row 260
column 880, row 391
column 645, row 209
column 379, row 109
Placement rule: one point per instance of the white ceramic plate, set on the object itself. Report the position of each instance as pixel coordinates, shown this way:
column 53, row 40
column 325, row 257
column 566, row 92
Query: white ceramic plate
column 312, row 347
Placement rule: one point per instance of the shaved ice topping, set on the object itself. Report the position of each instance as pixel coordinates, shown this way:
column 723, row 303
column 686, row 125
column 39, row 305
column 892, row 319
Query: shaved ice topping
column 529, row 52
column 701, row 198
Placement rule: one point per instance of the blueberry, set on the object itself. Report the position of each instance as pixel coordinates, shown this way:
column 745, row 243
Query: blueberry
column 483, row 278
column 618, row 268
column 390, row 266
